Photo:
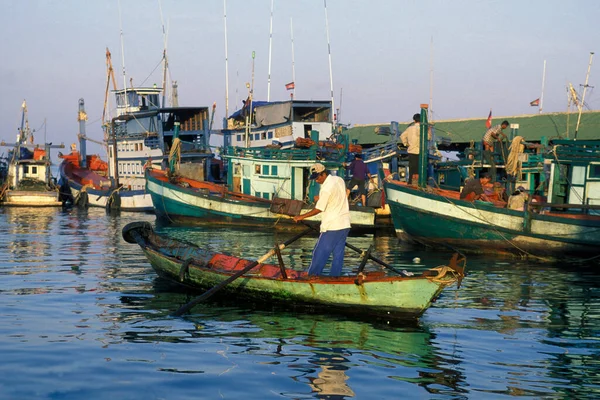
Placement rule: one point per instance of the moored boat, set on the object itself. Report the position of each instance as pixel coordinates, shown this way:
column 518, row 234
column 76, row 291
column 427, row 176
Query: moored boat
column 365, row 292
column 562, row 223
column 29, row 180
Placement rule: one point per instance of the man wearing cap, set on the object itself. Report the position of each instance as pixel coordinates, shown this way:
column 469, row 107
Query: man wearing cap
column 335, row 221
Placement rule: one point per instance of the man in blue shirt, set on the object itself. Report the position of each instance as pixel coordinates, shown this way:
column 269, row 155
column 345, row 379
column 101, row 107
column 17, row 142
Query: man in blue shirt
column 360, row 176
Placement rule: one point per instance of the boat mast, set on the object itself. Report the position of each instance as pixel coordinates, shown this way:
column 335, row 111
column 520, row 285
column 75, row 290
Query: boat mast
column 165, row 60
column 226, row 67
column 123, row 59
column 585, row 86
column 333, row 119
column 270, row 46
column 430, row 109
column 293, row 63
column 543, row 84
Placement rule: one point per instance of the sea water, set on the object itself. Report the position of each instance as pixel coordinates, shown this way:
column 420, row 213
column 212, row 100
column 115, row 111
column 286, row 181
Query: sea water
column 84, row 316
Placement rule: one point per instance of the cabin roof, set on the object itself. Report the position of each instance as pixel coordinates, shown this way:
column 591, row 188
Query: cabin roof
column 463, row 131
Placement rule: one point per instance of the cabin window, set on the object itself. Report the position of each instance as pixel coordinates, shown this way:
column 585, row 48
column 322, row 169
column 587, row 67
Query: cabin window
column 270, row 135
column 239, row 138
column 25, row 169
column 578, row 175
column 257, row 194
column 594, row 171
column 265, row 170
column 257, row 169
column 266, row 195
column 274, row 170
column 34, row 170
column 263, row 135
column 257, row 136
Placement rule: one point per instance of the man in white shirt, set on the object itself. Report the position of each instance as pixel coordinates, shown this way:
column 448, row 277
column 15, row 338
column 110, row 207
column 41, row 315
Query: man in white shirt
column 411, row 137
column 335, row 221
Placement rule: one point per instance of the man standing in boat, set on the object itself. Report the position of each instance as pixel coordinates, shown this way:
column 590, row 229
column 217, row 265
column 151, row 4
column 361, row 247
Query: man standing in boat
column 332, row 202
column 360, row 176
column 490, row 136
column 411, row 138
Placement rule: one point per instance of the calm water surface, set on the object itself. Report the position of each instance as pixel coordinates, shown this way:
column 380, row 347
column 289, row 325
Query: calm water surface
column 83, row 316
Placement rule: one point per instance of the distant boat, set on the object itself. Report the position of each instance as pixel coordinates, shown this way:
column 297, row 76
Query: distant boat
column 29, row 182
column 369, row 293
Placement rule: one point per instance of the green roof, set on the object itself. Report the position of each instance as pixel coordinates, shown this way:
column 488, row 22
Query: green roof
column 531, row 127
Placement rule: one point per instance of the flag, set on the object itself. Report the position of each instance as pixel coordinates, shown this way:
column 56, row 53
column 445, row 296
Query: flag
column 488, row 123
column 535, row 103
column 290, row 86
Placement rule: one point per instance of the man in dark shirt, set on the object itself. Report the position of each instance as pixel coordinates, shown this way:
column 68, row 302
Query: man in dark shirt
column 360, row 175
column 473, row 189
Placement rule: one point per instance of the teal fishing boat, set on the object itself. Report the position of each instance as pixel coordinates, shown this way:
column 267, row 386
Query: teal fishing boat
column 563, row 222
column 374, row 293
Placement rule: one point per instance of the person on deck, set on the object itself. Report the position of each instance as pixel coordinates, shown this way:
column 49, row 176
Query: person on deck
column 332, row 202
column 473, row 189
column 490, row 136
column 360, row 176
column 411, row 137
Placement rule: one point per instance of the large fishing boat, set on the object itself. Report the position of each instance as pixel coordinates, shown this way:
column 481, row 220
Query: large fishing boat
column 373, row 293
column 29, row 181
column 561, row 222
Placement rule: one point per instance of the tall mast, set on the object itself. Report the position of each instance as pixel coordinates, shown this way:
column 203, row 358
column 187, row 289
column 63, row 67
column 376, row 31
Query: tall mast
column 585, row 86
column 165, row 60
column 543, row 84
column 270, row 45
column 123, row 58
column 293, row 63
column 430, row 110
column 226, row 63
column 330, row 70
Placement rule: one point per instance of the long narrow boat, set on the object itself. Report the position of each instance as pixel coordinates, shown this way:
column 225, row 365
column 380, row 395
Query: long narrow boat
column 187, row 201
column 373, row 293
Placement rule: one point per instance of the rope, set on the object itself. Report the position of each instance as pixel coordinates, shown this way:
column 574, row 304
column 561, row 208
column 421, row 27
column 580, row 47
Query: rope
column 513, row 165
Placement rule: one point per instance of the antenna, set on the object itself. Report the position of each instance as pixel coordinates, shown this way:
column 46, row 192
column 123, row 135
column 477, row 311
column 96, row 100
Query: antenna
column 330, row 71
column 585, row 86
column 226, row 63
column 270, row 45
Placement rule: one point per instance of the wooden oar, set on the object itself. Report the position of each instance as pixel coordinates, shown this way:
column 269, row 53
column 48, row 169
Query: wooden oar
column 185, row 308
column 372, row 258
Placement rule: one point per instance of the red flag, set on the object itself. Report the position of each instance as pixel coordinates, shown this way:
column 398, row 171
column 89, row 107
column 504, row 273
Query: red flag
column 535, row 103
column 289, row 86
column 488, row 123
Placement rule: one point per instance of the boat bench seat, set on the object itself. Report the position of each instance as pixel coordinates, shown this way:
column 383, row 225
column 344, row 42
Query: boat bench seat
column 227, row 263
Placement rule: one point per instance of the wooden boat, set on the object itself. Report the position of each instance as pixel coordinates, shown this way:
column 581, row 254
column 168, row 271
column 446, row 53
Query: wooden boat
column 29, row 180
column 366, row 292
column 564, row 223
column 187, row 201
column 141, row 134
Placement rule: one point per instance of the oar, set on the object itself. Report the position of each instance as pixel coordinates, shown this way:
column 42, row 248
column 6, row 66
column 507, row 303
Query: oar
column 372, row 258
column 185, row 308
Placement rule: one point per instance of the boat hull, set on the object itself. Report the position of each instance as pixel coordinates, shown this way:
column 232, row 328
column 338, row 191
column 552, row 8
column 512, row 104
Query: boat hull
column 23, row 198
column 212, row 203
column 438, row 220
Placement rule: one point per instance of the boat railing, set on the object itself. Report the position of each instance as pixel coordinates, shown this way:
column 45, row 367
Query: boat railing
column 285, row 154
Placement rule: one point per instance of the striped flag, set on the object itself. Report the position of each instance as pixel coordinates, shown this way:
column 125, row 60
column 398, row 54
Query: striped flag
column 289, row 86
column 535, row 103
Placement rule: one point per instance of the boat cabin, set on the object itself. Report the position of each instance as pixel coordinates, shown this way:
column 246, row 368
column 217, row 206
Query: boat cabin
column 132, row 100
column 278, row 123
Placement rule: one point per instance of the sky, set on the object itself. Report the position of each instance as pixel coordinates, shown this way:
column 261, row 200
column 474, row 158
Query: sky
column 387, row 56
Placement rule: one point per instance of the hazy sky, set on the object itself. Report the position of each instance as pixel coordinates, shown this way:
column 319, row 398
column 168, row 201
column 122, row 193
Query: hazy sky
column 486, row 54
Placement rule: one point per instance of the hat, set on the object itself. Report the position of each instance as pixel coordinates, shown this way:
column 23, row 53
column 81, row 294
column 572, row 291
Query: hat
column 521, row 189
column 315, row 170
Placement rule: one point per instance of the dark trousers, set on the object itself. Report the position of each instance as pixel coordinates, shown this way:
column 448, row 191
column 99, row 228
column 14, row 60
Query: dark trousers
column 488, row 157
